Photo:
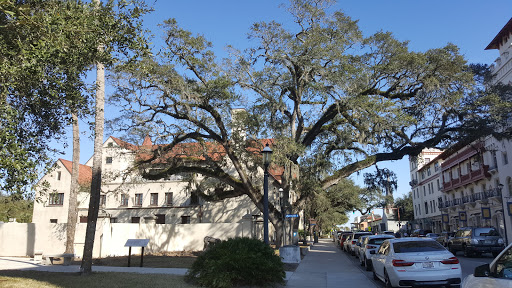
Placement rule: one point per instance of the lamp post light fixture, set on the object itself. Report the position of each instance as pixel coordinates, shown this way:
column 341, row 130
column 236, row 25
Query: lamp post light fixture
column 267, row 152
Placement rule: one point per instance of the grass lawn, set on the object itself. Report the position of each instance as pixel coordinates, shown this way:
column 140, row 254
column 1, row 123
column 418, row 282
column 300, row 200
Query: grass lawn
column 24, row 279
column 167, row 260
column 35, row 279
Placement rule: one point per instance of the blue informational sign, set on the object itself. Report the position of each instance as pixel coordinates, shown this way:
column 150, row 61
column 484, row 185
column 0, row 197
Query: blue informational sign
column 292, row 215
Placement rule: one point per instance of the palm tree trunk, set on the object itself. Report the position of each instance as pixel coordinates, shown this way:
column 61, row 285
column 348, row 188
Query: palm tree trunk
column 72, row 211
column 92, row 216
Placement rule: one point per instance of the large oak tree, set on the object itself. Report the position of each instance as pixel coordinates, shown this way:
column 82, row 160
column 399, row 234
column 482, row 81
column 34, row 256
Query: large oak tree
column 325, row 94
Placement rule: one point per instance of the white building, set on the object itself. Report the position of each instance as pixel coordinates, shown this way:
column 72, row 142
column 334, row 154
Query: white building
column 468, row 185
column 502, row 67
column 426, row 189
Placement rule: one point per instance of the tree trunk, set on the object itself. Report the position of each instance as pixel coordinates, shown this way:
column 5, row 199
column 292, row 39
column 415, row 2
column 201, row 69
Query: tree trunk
column 94, row 202
column 72, row 211
column 279, row 233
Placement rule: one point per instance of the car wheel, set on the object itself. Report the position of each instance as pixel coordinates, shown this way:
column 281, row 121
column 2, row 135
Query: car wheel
column 368, row 264
column 453, row 251
column 467, row 253
column 387, row 281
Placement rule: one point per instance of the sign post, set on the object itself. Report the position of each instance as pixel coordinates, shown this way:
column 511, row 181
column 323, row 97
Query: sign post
column 136, row 243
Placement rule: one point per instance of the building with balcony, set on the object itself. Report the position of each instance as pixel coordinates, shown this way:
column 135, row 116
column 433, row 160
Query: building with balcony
column 425, row 185
column 473, row 185
column 468, row 185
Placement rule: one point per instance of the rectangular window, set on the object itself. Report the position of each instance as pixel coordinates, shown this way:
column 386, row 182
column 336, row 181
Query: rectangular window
column 103, row 200
column 56, row 199
column 436, row 166
column 505, row 158
column 53, row 220
column 124, row 199
column 185, row 219
column 160, row 218
column 83, row 219
column 154, row 199
column 108, row 160
column 113, row 220
column 438, row 185
column 494, row 159
column 424, row 191
column 428, row 171
column 168, row 199
column 426, row 208
column 59, row 174
column 138, row 199
column 135, row 219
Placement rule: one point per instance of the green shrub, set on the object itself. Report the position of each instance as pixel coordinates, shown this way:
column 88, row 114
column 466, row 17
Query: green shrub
column 235, row 262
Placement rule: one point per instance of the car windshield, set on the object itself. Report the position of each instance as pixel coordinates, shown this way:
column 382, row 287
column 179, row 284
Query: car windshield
column 417, row 246
column 486, row 232
column 377, row 241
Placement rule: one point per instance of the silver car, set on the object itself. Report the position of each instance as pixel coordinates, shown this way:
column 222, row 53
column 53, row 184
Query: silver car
column 371, row 243
column 359, row 245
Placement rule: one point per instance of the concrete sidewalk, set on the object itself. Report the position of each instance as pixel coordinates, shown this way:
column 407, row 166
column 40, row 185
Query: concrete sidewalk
column 324, row 266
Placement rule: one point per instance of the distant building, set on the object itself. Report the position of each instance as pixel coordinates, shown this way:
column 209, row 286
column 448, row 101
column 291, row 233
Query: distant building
column 502, row 67
column 468, row 185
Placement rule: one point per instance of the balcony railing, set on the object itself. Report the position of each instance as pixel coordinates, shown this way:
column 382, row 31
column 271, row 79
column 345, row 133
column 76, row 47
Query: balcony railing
column 465, row 179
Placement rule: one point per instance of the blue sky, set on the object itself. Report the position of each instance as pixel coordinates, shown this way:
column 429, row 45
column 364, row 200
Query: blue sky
column 470, row 24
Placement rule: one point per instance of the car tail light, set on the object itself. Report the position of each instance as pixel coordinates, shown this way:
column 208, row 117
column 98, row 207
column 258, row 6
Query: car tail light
column 451, row 260
column 371, row 247
column 401, row 263
column 354, row 242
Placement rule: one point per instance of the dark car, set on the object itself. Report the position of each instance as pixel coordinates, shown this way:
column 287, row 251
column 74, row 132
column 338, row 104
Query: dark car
column 445, row 237
column 476, row 240
column 420, row 233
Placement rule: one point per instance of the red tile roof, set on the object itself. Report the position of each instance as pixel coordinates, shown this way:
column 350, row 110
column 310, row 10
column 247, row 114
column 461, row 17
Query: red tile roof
column 84, row 172
column 182, row 150
column 193, row 150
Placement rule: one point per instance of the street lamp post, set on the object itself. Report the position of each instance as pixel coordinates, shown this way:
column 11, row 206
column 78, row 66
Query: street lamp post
column 283, row 212
column 500, row 187
column 267, row 152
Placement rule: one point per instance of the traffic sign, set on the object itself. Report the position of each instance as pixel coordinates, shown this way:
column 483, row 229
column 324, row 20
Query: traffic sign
column 292, row 215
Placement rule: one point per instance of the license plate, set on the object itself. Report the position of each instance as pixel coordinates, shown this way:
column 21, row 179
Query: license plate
column 488, row 241
column 428, row 265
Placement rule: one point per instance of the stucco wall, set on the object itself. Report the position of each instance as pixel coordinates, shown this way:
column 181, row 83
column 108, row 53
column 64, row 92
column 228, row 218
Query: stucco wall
column 21, row 239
